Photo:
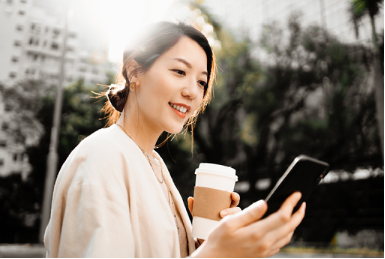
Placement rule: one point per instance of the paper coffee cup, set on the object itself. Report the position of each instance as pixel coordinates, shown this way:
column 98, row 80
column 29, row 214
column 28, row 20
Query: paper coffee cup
column 213, row 187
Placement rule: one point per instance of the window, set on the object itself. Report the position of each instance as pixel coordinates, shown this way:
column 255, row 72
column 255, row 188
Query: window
column 27, row 71
column 15, row 157
column 30, row 41
column 15, row 59
column 54, row 46
column 56, row 33
column 9, row 1
column 82, row 69
column 95, row 71
column 44, row 43
column 4, row 127
column 3, row 143
column 17, row 43
column 19, row 27
column 12, row 75
column 72, row 35
column 21, row 12
column 1, row 162
column 23, row 1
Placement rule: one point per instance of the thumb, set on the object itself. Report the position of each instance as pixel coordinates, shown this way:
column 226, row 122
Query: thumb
column 249, row 215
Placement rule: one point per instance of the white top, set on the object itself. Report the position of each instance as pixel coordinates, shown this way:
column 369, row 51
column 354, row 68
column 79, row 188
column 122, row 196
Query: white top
column 107, row 202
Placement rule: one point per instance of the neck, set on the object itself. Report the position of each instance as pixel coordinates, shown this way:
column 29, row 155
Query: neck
column 140, row 131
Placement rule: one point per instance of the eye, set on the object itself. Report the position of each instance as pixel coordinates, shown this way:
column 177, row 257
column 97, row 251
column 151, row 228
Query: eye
column 202, row 83
column 180, row 72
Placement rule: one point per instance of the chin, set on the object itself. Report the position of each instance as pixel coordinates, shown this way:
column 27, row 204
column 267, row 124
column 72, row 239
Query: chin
column 174, row 129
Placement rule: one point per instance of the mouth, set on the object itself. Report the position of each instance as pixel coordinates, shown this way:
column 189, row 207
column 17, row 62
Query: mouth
column 180, row 109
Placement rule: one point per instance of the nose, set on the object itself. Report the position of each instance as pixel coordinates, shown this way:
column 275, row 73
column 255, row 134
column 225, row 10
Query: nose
column 191, row 89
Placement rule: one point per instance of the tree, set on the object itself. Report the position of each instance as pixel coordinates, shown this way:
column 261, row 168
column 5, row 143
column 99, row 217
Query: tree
column 309, row 97
column 30, row 104
column 360, row 8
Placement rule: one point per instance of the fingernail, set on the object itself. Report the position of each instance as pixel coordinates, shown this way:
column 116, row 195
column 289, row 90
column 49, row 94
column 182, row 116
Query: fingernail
column 223, row 213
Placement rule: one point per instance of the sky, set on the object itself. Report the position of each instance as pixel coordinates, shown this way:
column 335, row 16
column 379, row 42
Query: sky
column 109, row 24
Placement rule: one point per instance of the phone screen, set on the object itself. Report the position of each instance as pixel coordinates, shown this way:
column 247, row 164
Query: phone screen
column 302, row 175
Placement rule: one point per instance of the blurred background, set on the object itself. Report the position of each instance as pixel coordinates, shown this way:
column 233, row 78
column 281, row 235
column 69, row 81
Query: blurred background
column 295, row 77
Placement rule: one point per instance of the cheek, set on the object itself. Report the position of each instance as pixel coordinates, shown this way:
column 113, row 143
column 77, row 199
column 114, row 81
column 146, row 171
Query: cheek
column 197, row 103
column 156, row 92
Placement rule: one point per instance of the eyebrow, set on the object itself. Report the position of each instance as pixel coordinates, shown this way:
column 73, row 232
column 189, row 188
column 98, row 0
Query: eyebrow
column 187, row 63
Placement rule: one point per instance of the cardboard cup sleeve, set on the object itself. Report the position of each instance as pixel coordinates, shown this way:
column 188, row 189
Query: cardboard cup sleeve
column 209, row 202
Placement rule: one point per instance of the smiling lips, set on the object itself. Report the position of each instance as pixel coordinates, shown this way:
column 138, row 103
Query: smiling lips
column 180, row 109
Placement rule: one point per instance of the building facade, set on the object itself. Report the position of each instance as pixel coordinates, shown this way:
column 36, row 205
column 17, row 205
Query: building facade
column 31, row 48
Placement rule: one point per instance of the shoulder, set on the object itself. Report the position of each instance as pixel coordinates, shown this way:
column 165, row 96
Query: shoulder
column 104, row 156
column 107, row 143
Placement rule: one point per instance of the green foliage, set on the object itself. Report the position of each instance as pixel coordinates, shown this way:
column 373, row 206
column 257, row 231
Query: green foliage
column 33, row 103
column 80, row 117
column 310, row 97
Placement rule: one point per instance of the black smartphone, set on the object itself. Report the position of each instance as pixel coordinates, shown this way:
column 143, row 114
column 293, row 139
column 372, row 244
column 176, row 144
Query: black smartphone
column 303, row 175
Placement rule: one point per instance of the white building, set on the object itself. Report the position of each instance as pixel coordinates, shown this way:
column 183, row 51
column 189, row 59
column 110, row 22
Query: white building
column 32, row 45
column 31, row 48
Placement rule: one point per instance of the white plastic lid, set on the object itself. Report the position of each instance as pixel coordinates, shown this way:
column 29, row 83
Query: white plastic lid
column 216, row 169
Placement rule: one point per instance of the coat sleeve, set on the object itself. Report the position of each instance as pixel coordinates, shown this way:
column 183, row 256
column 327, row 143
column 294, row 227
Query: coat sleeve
column 90, row 214
column 95, row 224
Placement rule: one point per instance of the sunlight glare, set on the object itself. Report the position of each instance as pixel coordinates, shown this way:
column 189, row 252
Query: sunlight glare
column 124, row 18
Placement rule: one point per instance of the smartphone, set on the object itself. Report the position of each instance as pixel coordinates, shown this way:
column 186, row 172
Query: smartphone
column 303, row 175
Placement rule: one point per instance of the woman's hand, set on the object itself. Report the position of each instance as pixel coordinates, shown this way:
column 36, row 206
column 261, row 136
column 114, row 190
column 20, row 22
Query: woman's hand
column 235, row 198
column 245, row 234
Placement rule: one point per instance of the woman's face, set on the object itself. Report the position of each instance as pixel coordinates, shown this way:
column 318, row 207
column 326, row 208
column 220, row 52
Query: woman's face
column 172, row 89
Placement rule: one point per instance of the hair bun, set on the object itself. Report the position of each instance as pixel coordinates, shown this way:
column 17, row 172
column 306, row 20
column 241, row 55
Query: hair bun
column 117, row 96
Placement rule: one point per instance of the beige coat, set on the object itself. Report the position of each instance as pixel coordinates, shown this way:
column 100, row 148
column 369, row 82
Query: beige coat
column 107, row 202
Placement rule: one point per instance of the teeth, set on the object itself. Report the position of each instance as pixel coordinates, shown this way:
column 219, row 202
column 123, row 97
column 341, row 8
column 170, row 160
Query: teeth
column 179, row 108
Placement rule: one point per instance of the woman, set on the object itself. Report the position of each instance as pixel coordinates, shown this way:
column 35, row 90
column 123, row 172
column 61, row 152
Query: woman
column 114, row 196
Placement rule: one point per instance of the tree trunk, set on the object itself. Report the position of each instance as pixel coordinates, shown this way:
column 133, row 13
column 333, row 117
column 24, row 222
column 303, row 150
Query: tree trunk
column 379, row 92
column 378, row 86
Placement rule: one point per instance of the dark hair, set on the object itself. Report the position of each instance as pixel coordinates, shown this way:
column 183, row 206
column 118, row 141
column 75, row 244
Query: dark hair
column 156, row 39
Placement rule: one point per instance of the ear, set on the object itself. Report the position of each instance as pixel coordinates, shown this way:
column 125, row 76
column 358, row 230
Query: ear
column 132, row 69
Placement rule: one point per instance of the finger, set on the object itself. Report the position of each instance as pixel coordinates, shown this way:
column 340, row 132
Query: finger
column 281, row 233
column 190, row 201
column 289, row 204
column 298, row 216
column 281, row 217
column 235, row 198
column 249, row 215
column 230, row 211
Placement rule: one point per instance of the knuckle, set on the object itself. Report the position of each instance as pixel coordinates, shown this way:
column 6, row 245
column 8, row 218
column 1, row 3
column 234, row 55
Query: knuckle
column 284, row 217
column 226, row 225
column 263, row 247
column 256, row 235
